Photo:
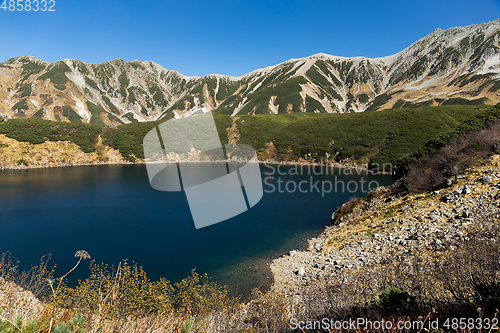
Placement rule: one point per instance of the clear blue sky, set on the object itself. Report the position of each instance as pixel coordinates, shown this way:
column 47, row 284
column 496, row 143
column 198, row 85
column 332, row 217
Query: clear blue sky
column 229, row 36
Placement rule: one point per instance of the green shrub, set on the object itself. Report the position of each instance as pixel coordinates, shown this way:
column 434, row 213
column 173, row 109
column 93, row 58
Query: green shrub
column 185, row 327
column 91, row 83
column 128, row 138
column 19, row 326
column 386, row 135
column 456, row 101
column 130, row 117
column 396, row 300
column 74, row 325
column 25, row 91
column 379, row 101
column 30, row 68
column 56, row 74
column 22, row 162
column 38, row 131
column 71, row 114
column 38, row 114
column 21, row 105
column 95, row 111
column 495, row 87
column 344, row 210
column 363, row 98
column 111, row 105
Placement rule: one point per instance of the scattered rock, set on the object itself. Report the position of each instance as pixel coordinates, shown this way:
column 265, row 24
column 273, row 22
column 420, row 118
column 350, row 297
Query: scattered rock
column 485, row 179
column 466, row 190
column 437, row 242
column 434, row 217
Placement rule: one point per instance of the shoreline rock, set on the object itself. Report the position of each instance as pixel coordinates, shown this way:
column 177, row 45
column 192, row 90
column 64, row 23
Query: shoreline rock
column 14, row 300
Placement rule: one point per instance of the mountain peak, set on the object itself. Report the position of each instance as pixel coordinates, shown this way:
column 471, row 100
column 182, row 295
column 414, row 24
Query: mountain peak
column 458, row 65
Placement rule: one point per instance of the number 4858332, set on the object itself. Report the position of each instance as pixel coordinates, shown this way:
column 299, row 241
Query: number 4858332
column 28, row 5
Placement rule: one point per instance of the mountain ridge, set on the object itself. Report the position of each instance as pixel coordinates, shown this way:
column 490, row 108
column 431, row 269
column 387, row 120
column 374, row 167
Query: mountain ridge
column 454, row 66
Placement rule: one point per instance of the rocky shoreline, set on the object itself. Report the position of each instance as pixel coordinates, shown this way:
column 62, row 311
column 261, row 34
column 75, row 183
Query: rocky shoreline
column 17, row 155
column 60, row 165
column 391, row 227
column 13, row 166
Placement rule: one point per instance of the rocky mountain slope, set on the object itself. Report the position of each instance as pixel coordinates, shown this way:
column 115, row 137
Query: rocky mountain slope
column 454, row 66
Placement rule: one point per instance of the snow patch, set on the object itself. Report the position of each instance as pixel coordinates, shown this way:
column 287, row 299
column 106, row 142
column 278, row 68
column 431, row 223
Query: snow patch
column 257, row 86
column 305, row 67
column 77, row 78
column 239, row 107
column 215, row 94
column 491, row 65
column 35, row 102
column 388, row 61
column 196, row 111
column 118, row 103
column 81, row 110
column 272, row 106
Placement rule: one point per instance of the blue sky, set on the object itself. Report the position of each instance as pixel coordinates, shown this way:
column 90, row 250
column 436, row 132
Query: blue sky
column 229, row 36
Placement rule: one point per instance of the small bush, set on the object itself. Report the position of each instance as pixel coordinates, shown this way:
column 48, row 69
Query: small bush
column 344, row 210
column 396, row 300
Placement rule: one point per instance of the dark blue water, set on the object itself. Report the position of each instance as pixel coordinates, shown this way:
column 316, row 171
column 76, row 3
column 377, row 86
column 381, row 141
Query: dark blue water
column 114, row 214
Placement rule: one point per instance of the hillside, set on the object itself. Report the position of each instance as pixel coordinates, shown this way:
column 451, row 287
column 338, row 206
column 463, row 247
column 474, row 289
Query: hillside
column 447, row 67
column 369, row 139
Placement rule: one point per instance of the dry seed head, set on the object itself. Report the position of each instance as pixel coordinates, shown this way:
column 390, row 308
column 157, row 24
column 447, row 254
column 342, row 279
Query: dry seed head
column 82, row 254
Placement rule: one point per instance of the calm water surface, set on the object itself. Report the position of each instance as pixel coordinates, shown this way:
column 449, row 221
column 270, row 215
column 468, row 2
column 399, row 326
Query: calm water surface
column 114, row 214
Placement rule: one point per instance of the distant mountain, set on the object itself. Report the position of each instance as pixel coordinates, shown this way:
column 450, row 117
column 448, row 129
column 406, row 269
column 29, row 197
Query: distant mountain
column 453, row 66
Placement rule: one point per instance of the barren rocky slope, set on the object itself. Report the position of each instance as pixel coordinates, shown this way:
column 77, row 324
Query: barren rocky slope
column 387, row 233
